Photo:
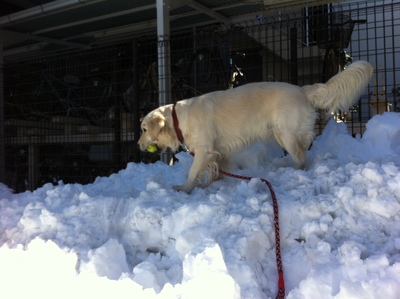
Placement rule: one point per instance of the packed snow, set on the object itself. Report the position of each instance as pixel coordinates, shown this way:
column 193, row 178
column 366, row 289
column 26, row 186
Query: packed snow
column 131, row 235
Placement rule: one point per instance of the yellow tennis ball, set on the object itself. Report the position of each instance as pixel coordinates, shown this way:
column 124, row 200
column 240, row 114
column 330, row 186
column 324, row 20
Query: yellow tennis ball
column 152, row 148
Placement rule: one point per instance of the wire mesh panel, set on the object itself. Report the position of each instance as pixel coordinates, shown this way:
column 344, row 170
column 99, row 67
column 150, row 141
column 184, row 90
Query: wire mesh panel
column 72, row 116
column 63, row 117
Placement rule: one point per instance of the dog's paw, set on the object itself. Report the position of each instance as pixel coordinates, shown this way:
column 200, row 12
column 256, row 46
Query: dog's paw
column 183, row 188
column 177, row 187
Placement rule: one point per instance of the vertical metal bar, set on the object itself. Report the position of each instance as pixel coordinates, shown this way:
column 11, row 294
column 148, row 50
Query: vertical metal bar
column 2, row 145
column 274, row 51
column 164, row 55
column 376, row 49
column 33, row 166
column 293, row 56
column 367, row 38
column 385, row 65
column 395, row 94
column 117, row 145
column 164, row 60
column 194, row 64
column 360, row 105
column 135, row 96
column 281, row 43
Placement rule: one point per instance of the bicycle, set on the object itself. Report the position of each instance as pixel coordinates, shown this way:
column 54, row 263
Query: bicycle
column 335, row 58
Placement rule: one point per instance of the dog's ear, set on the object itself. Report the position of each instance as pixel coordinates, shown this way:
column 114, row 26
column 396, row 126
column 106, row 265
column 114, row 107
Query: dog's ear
column 155, row 125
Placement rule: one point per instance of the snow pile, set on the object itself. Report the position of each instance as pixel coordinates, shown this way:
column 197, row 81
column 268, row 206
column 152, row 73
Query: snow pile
column 131, row 235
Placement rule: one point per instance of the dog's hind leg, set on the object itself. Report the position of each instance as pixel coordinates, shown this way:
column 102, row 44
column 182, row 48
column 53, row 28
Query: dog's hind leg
column 298, row 156
column 293, row 146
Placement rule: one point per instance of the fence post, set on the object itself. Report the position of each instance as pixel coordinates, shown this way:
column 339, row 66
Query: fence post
column 2, row 144
column 136, row 99
column 293, row 56
column 164, row 60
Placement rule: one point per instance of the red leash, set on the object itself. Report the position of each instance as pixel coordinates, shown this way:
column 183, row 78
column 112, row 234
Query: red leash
column 281, row 281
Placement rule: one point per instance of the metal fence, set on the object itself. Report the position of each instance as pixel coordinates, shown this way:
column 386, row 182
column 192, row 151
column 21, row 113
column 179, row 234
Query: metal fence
column 74, row 116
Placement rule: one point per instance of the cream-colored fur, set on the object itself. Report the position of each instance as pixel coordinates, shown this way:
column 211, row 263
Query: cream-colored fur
column 220, row 123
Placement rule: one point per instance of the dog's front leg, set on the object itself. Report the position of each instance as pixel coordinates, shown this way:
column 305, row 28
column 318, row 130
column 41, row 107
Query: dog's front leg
column 200, row 162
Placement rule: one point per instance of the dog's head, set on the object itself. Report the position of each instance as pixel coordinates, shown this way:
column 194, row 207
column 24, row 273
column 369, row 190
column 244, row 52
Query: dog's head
column 157, row 130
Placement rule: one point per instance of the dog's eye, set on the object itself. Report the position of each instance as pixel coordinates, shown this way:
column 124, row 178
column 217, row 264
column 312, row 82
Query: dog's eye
column 144, row 130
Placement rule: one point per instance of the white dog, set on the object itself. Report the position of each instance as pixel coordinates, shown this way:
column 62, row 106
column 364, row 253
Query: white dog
column 216, row 125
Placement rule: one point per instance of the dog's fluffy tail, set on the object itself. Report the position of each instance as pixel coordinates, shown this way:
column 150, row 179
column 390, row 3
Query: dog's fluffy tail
column 342, row 90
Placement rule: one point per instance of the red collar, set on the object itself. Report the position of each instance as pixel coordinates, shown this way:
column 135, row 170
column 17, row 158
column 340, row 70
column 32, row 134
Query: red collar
column 176, row 125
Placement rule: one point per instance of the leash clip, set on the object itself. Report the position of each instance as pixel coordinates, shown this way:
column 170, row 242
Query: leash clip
column 185, row 148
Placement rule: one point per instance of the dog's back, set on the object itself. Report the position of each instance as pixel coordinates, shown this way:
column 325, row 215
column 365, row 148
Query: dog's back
column 234, row 119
